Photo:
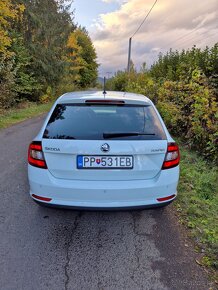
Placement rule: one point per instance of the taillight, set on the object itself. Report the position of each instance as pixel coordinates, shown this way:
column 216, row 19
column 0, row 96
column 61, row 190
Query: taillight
column 172, row 157
column 36, row 156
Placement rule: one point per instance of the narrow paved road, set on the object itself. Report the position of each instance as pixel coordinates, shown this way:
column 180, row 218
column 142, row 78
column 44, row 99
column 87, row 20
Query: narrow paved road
column 43, row 248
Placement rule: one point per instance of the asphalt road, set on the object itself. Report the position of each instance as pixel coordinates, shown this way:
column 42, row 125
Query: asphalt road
column 42, row 248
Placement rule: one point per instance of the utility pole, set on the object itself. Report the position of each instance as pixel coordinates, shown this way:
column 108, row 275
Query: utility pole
column 130, row 40
column 129, row 55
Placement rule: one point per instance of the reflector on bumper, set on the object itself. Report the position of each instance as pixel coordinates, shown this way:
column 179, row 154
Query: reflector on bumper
column 166, row 198
column 41, row 198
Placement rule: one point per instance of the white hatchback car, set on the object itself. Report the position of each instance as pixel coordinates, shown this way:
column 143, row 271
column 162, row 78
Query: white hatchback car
column 99, row 151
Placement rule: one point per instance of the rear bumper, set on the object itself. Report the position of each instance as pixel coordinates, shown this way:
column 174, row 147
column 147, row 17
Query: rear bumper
column 103, row 194
column 123, row 208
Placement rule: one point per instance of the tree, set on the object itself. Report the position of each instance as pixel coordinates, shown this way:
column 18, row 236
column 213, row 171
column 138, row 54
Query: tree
column 41, row 51
column 9, row 14
column 45, row 36
column 89, row 70
column 25, row 84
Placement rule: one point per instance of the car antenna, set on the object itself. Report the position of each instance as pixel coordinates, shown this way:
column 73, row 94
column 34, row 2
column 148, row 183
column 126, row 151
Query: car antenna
column 104, row 92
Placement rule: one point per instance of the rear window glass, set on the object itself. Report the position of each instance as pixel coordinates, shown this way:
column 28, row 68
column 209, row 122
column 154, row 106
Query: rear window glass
column 93, row 122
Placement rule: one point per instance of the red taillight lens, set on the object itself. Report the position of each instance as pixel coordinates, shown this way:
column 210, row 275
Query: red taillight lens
column 172, row 157
column 36, row 156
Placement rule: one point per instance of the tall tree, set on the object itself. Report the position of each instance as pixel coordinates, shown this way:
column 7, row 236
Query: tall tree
column 41, row 51
column 47, row 25
column 10, row 12
column 89, row 71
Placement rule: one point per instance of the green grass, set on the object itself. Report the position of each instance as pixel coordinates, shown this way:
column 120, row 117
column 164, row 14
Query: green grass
column 197, row 204
column 17, row 115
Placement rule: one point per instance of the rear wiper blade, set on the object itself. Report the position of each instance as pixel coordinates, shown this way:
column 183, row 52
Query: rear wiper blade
column 63, row 137
column 128, row 134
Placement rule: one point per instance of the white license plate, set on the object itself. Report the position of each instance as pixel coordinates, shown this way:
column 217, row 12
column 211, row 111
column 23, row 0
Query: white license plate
column 104, row 162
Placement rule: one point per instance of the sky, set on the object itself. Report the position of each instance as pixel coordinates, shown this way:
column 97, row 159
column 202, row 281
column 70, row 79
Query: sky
column 173, row 24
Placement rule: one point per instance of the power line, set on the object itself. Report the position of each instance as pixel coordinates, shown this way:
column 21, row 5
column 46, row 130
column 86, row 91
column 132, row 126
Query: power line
column 209, row 36
column 190, row 40
column 130, row 39
column 144, row 19
column 198, row 38
column 181, row 37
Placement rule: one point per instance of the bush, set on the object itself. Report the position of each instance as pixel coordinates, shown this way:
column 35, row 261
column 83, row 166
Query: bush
column 190, row 111
column 47, row 97
column 185, row 88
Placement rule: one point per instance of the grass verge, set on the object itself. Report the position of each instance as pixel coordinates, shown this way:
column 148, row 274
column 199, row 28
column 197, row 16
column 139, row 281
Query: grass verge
column 16, row 115
column 197, row 205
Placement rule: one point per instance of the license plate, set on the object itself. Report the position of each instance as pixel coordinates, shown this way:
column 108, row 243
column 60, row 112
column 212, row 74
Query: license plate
column 104, row 162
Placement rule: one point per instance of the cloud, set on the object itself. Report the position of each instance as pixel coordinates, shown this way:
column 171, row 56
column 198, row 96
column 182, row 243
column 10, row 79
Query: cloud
column 177, row 24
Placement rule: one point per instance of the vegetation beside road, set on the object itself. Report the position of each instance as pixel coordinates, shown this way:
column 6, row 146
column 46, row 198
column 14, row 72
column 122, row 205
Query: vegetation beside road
column 42, row 54
column 197, row 204
column 184, row 86
column 21, row 113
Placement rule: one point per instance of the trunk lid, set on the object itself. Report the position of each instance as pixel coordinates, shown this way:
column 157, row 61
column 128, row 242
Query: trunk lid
column 61, row 158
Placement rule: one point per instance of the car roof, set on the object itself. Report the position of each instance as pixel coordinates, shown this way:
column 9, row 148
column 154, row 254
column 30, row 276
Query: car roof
column 82, row 96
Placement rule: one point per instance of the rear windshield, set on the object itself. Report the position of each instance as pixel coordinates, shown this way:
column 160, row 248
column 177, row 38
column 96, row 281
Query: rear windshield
column 94, row 122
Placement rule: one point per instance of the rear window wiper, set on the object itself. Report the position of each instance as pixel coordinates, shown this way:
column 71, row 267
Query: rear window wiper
column 128, row 134
column 64, row 137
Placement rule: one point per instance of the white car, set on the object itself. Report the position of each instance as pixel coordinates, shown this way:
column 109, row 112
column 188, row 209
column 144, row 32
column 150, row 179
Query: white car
column 103, row 151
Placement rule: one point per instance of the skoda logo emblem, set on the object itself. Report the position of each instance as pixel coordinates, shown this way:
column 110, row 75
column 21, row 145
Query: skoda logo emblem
column 105, row 147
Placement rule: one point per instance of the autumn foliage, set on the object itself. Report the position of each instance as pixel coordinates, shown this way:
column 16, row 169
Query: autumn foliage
column 184, row 86
column 42, row 52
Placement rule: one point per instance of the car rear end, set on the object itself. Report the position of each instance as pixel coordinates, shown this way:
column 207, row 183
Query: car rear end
column 95, row 152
